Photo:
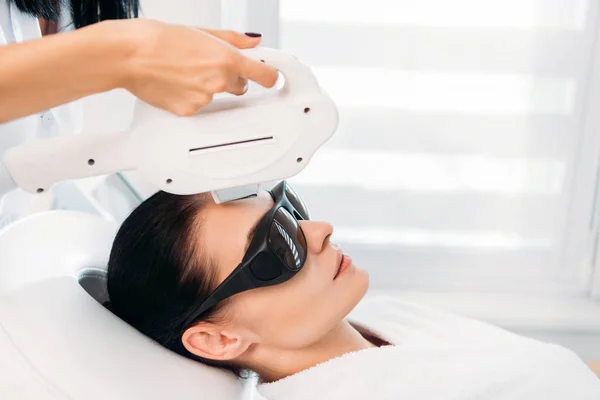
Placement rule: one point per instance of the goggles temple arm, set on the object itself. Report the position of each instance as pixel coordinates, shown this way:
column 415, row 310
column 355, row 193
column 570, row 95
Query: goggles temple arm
column 238, row 281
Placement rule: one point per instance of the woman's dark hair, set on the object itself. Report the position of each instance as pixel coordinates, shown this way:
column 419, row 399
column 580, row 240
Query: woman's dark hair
column 83, row 12
column 157, row 274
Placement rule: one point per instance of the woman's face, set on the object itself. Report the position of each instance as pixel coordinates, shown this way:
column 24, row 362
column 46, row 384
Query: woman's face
column 295, row 313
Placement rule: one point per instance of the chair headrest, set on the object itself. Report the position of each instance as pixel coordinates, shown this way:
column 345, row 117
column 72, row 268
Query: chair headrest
column 58, row 342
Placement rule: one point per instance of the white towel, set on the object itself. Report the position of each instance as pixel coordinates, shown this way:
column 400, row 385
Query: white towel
column 439, row 356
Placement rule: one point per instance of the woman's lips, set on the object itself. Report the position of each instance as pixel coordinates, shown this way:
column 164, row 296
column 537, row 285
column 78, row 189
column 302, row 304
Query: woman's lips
column 344, row 264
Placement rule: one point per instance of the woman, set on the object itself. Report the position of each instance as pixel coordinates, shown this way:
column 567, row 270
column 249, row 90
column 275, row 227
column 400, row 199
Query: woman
column 256, row 285
column 101, row 46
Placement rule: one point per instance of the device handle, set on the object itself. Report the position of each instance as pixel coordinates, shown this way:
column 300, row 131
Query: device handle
column 298, row 76
column 37, row 165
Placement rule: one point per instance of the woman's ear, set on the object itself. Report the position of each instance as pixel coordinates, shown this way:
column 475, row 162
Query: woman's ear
column 214, row 342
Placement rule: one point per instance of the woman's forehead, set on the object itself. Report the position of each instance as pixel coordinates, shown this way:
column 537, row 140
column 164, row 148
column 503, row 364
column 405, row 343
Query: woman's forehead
column 225, row 228
column 263, row 202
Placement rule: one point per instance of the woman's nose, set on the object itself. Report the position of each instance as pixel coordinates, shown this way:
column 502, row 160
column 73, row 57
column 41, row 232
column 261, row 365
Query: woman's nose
column 317, row 235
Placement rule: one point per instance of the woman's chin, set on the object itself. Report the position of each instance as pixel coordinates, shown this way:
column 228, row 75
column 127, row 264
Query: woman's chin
column 359, row 281
column 363, row 276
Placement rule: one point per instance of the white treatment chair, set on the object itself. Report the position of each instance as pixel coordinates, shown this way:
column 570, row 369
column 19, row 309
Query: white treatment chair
column 56, row 339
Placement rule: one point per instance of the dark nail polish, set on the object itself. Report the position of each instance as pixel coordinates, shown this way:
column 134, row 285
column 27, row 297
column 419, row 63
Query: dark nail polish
column 253, row 34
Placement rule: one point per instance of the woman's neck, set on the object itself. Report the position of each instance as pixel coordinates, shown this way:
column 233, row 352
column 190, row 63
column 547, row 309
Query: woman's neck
column 273, row 364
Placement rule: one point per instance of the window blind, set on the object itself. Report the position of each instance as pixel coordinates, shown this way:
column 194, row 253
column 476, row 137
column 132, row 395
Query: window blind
column 460, row 126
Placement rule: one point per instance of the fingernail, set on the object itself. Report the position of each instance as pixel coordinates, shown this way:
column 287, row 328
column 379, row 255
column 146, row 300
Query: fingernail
column 253, row 34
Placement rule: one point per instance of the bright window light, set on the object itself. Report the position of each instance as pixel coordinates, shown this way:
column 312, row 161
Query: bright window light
column 481, row 240
column 386, row 170
column 564, row 14
column 472, row 93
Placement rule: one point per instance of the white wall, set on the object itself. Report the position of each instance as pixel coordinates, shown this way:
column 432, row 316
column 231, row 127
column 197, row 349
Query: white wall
column 204, row 13
column 586, row 345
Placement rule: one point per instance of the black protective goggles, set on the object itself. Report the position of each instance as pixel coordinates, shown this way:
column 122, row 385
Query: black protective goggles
column 276, row 253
